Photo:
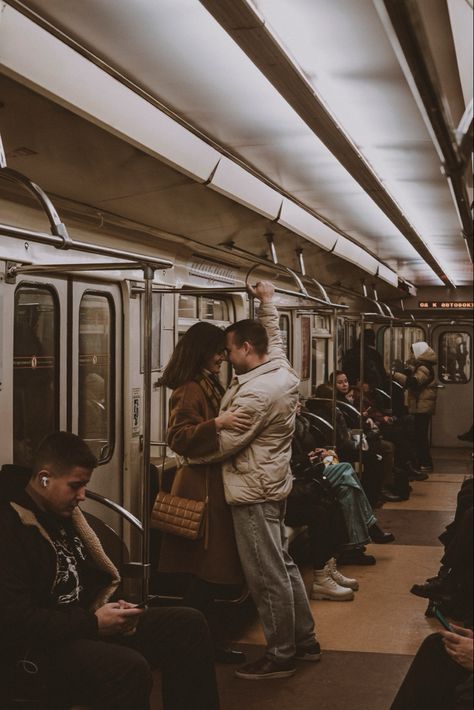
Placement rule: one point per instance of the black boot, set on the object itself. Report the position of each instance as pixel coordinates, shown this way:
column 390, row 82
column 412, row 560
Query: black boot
column 378, row 536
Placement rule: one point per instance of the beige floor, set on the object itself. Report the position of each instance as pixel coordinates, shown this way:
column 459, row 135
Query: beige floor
column 384, row 617
column 433, row 494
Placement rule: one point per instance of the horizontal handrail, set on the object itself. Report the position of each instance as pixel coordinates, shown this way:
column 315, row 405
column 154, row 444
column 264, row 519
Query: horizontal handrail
column 123, row 512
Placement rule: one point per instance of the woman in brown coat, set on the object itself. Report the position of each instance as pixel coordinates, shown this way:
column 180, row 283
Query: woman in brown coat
column 193, row 429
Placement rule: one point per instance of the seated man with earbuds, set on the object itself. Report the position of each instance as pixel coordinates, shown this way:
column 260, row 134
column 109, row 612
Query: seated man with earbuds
column 60, row 635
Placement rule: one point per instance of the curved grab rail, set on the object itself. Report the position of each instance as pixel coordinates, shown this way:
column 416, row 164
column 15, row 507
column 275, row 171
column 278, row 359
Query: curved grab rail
column 302, row 293
column 311, row 415
column 123, row 512
column 58, row 228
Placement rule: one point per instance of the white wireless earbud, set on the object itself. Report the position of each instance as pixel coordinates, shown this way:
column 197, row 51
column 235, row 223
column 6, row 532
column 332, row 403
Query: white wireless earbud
column 44, row 481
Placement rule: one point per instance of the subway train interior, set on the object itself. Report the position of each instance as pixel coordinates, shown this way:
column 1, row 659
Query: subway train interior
column 156, row 158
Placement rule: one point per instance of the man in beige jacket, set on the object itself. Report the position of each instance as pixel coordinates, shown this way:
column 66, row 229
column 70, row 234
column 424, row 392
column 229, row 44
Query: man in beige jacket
column 257, row 481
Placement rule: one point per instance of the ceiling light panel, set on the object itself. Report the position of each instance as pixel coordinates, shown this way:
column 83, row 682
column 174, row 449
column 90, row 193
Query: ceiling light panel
column 353, row 253
column 306, row 225
column 237, row 183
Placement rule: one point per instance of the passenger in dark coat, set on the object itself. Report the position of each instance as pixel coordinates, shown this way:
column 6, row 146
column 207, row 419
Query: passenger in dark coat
column 374, row 368
column 61, row 638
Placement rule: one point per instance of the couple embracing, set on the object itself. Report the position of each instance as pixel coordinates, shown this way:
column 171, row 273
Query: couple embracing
column 235, row 450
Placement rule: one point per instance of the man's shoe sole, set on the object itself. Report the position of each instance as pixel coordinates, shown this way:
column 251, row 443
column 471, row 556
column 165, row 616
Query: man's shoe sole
column 311, row 657
column 265, row 676
column 326, row 597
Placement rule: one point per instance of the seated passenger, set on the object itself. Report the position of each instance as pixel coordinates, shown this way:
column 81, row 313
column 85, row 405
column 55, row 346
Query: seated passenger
column 393, row 440
column 307, row 506
column 57, row 625
column 452, row 588
column 440, row 677
column 346, row 444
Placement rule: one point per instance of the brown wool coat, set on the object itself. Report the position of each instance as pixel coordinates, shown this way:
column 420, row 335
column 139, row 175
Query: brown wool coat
column 191, row 433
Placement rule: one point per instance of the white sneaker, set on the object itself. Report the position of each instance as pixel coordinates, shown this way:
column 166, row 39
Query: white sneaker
column 324, row 587
column 340, row 578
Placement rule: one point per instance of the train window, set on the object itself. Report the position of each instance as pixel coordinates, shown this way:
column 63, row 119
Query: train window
column 403, row 339
column 96, row 375
column 35, row 369
column 319, row 361
column 341, row 342
column 187, row 307
column 454, row 355
column 284, row 325
column 213, row 309
column 155, row 332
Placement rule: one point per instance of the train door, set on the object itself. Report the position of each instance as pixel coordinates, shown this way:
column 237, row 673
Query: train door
column 35, row 343
column 454, row 411
column 95, row 383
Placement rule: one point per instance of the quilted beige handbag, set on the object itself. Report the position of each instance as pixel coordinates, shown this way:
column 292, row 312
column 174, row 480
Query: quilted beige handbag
column 178, row 516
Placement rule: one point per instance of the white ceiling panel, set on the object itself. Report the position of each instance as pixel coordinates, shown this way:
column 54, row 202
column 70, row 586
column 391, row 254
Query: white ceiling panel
column 178, row 53
column 233, row 181
column 302, row 222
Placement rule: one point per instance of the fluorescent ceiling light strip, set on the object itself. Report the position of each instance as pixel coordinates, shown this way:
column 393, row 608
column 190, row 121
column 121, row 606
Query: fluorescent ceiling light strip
column 233, row 181
column 387, row 275
column 54, row 69
column 356, row 255
column 301, row 222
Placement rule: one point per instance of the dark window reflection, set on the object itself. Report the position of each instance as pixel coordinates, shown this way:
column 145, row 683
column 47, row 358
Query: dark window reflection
column 454, row 354
column 35, row 370
column 95, row 374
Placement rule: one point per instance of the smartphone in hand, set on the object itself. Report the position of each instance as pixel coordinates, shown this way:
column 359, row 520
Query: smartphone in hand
column 443, row 621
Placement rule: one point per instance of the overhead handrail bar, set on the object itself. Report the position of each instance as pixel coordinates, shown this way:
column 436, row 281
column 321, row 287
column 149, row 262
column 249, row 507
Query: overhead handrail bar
column 302, row 293
column 52, row 240
column 322, row 290
column 58, row 228
column 123, row 512
column 15, row 269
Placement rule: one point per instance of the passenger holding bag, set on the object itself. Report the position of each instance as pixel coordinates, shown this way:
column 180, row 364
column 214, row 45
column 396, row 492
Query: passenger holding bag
column 419, row 380
column 198, row 535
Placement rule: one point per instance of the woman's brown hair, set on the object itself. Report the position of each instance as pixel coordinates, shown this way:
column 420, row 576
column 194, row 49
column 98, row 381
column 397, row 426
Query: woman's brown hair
column 189, row 358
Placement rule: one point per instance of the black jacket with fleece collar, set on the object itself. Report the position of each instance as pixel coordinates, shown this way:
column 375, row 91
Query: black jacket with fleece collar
column 29, row 617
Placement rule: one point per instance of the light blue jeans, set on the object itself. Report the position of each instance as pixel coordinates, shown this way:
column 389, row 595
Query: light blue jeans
column 356, row 509
column 273, row 578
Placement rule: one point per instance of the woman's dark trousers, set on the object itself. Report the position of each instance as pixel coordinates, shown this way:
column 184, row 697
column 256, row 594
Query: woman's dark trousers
column 422, row 439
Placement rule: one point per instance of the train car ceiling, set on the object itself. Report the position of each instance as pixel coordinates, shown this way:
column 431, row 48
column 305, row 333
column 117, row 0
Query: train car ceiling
column 171, row 82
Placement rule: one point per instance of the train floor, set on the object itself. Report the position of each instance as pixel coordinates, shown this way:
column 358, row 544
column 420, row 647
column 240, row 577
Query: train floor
column 367, row 644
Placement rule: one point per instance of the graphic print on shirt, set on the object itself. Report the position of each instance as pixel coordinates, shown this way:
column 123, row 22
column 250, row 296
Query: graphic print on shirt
column 67, row 586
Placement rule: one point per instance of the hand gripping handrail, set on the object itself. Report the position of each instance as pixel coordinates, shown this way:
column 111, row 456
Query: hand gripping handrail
column 302, row 293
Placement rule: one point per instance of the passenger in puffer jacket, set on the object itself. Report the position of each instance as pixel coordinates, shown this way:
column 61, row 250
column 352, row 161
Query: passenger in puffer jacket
column 419, row 380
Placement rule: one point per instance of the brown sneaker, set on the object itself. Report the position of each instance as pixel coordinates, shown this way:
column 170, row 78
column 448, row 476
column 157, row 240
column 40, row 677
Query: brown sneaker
column 265, row 668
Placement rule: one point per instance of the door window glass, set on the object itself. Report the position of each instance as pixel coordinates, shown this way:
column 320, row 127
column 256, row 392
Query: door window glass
column 96, row 374
column 454, row 357
column 187, row 307
column 403, row 339
column 284, row 325
column 35, row 370
column 213, row 309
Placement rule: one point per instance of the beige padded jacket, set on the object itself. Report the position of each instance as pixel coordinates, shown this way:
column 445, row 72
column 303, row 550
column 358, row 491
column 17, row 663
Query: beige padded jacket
column 256, row 463
column 421, row 383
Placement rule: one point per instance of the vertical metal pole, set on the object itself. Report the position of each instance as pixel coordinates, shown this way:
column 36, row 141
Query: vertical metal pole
column 390, row 381
column 251, row 307
column 361, row 382
column 148, row 274
column 334, row 368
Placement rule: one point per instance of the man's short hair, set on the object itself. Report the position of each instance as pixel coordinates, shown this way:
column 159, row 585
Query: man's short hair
column 63, row 451
column 250, row 331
